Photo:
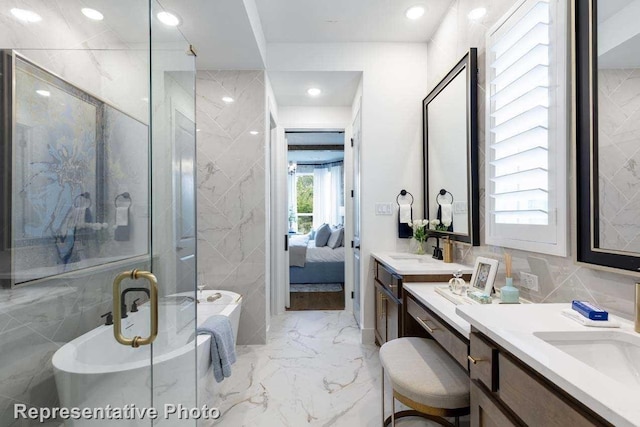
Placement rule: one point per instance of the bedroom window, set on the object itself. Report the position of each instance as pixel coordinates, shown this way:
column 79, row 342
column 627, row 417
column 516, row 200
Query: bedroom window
column 526, row 141
column 304, row 205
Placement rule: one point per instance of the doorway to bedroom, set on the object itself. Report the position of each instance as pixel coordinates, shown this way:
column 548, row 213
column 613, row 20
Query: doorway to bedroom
column 316, row 218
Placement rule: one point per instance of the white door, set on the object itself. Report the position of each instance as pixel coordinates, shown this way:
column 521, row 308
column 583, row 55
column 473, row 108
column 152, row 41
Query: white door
column 357, row 141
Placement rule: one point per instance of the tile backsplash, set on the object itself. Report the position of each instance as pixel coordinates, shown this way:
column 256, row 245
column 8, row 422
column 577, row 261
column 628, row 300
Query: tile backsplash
column 560, row 278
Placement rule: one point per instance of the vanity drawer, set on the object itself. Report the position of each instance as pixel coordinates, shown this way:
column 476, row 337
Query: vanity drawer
column 535, row 402
column 389, row 280
column 454, row 345
column 487, row 411
column 483, row 358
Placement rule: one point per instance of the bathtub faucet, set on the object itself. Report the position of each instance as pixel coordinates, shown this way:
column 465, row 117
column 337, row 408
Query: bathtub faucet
column 122, row 298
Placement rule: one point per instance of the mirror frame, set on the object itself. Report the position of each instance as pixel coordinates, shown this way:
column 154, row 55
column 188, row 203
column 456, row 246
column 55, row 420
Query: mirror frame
column 468, row 62
column 585, row 72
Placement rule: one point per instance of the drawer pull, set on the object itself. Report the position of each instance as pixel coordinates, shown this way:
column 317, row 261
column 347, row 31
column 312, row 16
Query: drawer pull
column 474, row 360
column 424, row 325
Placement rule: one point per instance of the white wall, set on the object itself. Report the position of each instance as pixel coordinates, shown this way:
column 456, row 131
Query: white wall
column 273, row 273
column 318, row 117
column 393, row 86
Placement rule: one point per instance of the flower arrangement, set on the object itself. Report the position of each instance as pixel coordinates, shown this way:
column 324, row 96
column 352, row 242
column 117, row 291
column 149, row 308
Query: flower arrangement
column 419, row 227
column 435, row 224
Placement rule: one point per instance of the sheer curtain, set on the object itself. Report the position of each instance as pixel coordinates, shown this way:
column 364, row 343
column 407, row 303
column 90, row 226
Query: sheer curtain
column 327, row 195
column 335, row 194
column 321, row 196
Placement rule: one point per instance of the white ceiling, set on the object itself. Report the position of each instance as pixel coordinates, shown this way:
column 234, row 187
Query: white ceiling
column 220, row 30
column 325, row 21
column 618, row 34
column 338, row 87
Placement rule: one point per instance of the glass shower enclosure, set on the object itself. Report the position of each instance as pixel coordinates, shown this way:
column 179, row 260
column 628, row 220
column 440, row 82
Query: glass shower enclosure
column 97, row 212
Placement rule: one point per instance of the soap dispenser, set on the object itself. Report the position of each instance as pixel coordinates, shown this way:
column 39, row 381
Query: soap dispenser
column 448, row 250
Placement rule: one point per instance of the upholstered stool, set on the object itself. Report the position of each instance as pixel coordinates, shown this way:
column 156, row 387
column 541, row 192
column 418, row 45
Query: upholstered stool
column 426, row 379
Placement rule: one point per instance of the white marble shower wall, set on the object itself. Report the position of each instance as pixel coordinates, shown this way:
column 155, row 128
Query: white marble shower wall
column 231, row 191
column 560, row 279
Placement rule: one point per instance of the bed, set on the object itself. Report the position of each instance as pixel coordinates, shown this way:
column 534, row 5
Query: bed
column 311, row 265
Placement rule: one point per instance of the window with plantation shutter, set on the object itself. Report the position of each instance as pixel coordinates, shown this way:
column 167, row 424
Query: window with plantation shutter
column 526, row 141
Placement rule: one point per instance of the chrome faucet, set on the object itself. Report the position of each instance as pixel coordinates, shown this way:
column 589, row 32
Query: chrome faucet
column 637, row 317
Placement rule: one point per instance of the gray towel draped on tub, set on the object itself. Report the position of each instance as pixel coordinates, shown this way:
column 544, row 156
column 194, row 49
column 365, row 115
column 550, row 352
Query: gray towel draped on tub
column 223, row 349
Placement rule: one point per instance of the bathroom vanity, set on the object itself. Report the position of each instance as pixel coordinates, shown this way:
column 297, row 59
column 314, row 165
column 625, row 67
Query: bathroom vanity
column 392, row 270
column 530, row 365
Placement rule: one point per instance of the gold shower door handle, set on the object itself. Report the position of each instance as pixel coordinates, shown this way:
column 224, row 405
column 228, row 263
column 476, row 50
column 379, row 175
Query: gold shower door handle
column 136, row 341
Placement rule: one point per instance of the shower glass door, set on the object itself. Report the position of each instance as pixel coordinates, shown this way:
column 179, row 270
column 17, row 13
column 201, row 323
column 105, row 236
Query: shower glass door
column 97, row 152
column 173, row 155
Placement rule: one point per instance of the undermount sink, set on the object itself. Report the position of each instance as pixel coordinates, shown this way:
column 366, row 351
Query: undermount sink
column 613, row 353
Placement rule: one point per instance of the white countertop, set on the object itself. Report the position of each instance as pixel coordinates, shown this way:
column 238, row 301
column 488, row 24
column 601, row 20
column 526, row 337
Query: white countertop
column 426, row 294
column 407, row 264
column 513, row 328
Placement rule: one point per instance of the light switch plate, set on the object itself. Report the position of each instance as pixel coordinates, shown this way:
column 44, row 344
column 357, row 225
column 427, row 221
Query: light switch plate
column 384, row 209
column 459, row 207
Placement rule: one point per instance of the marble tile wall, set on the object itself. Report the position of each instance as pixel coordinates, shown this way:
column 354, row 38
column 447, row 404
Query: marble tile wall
column 619, row 158
column 560, row 278
column 231, row 191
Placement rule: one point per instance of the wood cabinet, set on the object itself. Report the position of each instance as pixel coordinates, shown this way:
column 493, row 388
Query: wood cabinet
column 389, row 312
column 388, row 322
column 456, row 345
column 506, row 392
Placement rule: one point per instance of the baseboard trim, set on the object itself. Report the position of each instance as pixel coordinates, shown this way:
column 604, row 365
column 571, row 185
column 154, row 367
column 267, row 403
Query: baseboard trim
column 367, row 336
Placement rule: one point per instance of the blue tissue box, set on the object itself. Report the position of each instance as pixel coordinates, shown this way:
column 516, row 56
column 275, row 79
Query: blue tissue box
column 589, row 311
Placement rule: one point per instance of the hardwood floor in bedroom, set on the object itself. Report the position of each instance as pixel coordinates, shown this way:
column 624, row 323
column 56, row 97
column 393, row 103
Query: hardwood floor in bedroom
column 328, row 296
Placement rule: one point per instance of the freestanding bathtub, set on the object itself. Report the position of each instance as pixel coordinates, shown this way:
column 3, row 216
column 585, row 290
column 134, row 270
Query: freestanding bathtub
column 93, row 370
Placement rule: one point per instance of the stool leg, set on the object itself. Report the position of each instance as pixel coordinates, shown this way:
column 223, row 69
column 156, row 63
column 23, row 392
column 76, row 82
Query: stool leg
column 393, row 410
column 382, row 396
column 456, row 422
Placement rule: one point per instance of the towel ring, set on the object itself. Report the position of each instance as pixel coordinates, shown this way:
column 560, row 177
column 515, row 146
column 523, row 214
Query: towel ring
column 443, row 192
column 126, row 196
column 86, row 196
column 403, row 193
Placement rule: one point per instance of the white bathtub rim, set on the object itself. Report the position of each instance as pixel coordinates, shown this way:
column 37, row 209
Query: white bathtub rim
column 64, row 359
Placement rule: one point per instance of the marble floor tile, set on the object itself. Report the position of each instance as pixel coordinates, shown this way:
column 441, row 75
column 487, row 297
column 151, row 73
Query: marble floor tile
column 313, row 371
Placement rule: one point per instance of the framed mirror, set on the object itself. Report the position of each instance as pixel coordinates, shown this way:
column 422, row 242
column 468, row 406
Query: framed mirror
column 607, row 84
column 450, row 145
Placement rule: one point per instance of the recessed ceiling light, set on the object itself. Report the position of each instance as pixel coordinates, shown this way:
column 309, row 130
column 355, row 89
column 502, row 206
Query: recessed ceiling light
column 145, row 99
column 477, row 13
column 197, row 130
column 92, row 14
column 44, row 93
column 168, row 18
column 26, row 15
column 314, row 91
column 254, row 132
column 227, row 99
column 415, row 12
